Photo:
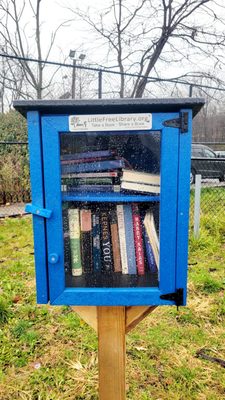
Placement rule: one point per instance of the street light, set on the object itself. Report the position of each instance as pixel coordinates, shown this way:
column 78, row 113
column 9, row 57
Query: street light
column 73, row 87
column 81, row 57
column 72, row 55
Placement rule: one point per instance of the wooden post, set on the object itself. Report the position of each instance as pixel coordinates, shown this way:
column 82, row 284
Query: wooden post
column 111, row 352
column 111, row 324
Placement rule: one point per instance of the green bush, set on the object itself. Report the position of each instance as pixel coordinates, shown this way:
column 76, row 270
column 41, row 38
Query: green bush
column 14, row 163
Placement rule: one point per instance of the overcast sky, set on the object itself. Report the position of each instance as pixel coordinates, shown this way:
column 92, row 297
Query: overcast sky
column 76, row 35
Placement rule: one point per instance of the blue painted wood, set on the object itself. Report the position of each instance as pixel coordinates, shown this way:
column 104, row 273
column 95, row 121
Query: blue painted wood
column 173, row 201
column 51, row 126
column 113, row 297
column 36, row 210
column 108, row 197
column 183, row 206
column 37, row 190
column 168, row 206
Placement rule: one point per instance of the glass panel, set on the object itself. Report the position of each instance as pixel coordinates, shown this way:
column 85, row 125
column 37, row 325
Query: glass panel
column 110, row 192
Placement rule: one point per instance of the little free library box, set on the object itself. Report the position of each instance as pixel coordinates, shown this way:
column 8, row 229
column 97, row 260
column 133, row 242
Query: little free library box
column 110, row 186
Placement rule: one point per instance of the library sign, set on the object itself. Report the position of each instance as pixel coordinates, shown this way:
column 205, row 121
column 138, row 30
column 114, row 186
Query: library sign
column 112, row 122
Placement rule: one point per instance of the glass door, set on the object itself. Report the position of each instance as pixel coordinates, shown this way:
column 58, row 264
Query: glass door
column 110, row 185
column 113, row 195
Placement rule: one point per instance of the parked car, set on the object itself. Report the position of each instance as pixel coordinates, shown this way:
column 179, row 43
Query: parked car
column 205, row 162
column 220, row 153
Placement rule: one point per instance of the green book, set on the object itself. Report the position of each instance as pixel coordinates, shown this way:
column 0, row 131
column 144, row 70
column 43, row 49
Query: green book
column 74, row 228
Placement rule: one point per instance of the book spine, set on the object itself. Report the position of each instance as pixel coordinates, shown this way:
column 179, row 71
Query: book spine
column 87, row 181
column 122, row 238
column 74, row 228
column 149, row 253
column 139, row 187
column 138, row 240
column 84, row 160
column 89, row 154
column 86, row 240
column 96, row 242
column 109, row 174
column 93, row 166
column 106, row 247
column 115, row 241
column 129, row 234
column 152, row 235
column 91, row 188
column 66, row 237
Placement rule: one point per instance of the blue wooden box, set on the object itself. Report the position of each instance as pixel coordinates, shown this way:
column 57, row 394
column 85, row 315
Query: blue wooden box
column 152, row 136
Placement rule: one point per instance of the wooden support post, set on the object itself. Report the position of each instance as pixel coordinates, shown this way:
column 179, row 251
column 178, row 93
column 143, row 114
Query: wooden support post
column 111, row 325
column 111, row 352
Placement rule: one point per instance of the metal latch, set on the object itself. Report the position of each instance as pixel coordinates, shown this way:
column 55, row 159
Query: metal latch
column 41, row 212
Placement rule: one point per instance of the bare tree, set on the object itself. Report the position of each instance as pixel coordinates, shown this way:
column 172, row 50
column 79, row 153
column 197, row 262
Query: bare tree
column 13, row 33
column 147, row 35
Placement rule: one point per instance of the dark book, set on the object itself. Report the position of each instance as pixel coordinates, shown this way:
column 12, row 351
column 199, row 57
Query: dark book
column 81, row 175
column 85, row 160
column 87, row 181
column 149, row 253
column 106, row 247
column 96, row 242
column 66, row 237
column 115, row 240
column 86, row 240
column 90, row 188
column 87, row 155
column 93, row 166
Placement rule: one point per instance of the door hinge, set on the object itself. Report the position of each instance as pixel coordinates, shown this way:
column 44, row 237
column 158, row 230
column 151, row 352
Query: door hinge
column 177, row 296
column 41, row 212
column 180, row 123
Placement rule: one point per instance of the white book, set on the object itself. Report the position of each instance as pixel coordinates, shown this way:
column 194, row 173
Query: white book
column 122, row 238
column 140, row 187
column 140, row 177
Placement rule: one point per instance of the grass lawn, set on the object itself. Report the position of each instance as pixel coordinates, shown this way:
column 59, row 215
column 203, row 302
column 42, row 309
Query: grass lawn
column 48, row 353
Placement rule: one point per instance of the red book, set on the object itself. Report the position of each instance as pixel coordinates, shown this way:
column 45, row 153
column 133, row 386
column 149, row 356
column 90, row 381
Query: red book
column 138, row 241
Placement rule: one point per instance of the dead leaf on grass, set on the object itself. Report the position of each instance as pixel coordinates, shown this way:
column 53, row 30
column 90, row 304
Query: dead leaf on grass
column 140, row 348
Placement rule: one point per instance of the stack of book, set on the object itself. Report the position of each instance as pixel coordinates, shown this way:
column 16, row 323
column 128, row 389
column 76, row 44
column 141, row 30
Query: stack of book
column 119, row 239
column 139, row 181
column 104, row 171
column 96, row 171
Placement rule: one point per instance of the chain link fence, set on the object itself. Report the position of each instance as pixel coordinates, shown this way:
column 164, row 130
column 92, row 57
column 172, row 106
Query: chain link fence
column 15, row 185
column 14, row 178
column 207, row 185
